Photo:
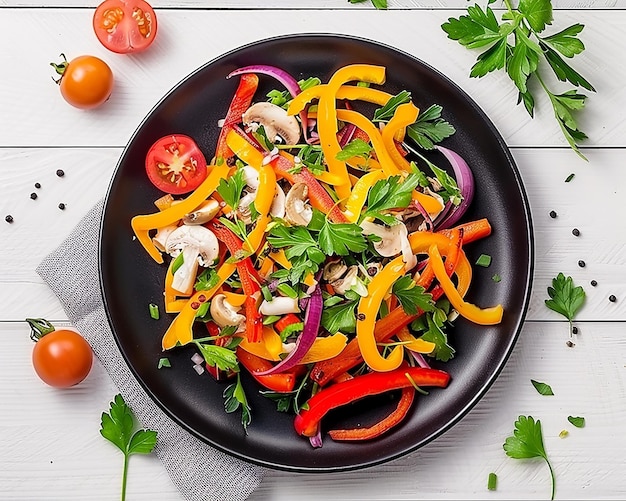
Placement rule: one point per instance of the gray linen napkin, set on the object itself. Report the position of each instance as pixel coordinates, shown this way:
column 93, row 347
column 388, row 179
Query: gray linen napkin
column 199, row 471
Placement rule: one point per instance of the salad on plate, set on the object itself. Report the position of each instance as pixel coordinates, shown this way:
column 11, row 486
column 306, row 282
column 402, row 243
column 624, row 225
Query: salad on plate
column 319, row 247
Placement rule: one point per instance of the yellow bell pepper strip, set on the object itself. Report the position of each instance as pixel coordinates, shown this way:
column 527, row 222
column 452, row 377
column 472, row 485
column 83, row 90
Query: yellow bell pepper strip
column 367, row 311
column 349, row 92
column 358, row 195
column 405, row 115
column 269, row 347
column 392, row 419
column 413, row 343
column 486, row 316
column 327, row 117
column 307, row 421
column 143, row 224
column 387, row 163
column 180, row 331
column 324, row 348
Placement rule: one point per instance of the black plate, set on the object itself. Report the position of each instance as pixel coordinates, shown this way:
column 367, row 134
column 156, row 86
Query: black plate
column 130, row 279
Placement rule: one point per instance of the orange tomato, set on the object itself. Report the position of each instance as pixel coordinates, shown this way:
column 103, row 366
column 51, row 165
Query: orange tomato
column 86, row 81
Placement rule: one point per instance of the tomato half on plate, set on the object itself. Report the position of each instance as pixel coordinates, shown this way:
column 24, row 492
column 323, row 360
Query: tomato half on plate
column 125, row 26
column 175, row 164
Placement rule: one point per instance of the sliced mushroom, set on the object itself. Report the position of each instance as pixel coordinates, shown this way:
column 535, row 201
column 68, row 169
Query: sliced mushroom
column 297, row 210
column 334, row 271
column 350, row 281
column 160, row 238
column 223, row 313
column 198, row 245
column 274, row 120
column 204, row 213
column 277, row 208
column 280, row 305
column 391, row 237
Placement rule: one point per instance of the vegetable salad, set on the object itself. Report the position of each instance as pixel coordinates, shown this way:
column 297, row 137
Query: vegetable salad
column 319, row 250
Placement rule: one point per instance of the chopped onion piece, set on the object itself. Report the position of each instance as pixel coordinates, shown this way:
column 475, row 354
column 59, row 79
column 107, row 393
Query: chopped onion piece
column 197, row 358
column 199, row 369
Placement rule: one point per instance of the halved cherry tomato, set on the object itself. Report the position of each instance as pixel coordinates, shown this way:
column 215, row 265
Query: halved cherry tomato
column 61, row 357
column 85, row 82
column 125, row 26
column 175, row 164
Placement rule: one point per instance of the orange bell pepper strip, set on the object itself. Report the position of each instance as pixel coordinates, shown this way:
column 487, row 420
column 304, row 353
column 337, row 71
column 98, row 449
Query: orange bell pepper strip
column 270, row 346
column 307, row 421
column 143, row 224
column 282, row 382
column 486, row 316
column 324, row 348
column 405, row 115
column 367, row 311
column 384, row 425
column 387, row 163
column 430, row 203
column 413, row 343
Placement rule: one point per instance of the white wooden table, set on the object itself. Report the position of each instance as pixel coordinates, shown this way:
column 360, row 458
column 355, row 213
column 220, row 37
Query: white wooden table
column 49, row 441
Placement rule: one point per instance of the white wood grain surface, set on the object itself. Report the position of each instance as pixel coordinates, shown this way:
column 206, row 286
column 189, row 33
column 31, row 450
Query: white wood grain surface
column 51, row 449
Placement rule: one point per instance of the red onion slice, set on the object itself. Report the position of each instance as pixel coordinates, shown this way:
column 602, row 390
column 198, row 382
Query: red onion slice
column 465, row 182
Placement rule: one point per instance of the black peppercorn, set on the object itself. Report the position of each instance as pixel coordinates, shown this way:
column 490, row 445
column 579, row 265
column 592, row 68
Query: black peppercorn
column 37, row 185
column 574, row 330
column 60, row 172
column 552, row 214
column 62, row 206
column 593, row 283
column 361, row 316
column 612, row 298
column 33, row 196
column 569, row 343
column 576, row 232
column 8, row 218
column 581, row 263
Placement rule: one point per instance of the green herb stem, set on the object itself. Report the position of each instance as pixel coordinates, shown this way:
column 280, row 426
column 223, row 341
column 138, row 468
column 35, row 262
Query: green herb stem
column 124, row 477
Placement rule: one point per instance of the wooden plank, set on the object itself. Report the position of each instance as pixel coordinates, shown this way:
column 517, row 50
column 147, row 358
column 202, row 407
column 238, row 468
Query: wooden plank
column 187, row 40
column 40, row 226
column 49, row 434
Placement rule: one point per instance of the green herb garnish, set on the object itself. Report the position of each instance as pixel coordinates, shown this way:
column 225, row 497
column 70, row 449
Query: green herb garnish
column 429, row 128
column 542, row 388
column 412, row 297
column 527, row 443
column 154, row 311
column 578, row 421
column 565, row 298
column 235, row 398
column 117, row 427
column 483, row 260
column 164, row 362
column 492, row 481
column 230, row 189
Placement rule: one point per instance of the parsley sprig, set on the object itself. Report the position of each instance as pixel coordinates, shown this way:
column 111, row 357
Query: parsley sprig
column 565, row 298
column 527, row 443
column 379, row 4
column 516, row 45
column 117, row 427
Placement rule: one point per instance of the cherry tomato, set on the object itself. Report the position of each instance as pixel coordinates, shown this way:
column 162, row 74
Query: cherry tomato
column 175, row 164
column 61, row 357
column 86, row 81
column 125, row 26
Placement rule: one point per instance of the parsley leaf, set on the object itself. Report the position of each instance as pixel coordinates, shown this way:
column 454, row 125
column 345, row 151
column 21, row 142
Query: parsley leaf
column 386, row 112
column 412, row 297
column 218, row 356
column 117, row 427
column 542, row 388
column 340, row 317
column 300, row 248
column 235, row 398
column 527, row 443
column 430, row 128
column 355, row 148
column 379, row 4
column 206, row 280
column 391, row 193
column 230, row 189
column 435, row 334
column 515, row 45
column 565, row 298
column 578, row 421
column 341, row 238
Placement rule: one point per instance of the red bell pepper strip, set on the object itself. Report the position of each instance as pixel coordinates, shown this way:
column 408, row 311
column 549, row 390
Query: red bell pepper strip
column 241, row 101
column 384, row 425
column 282, row 382
column 249, row 277
column 289, row 319
column 308, row 420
